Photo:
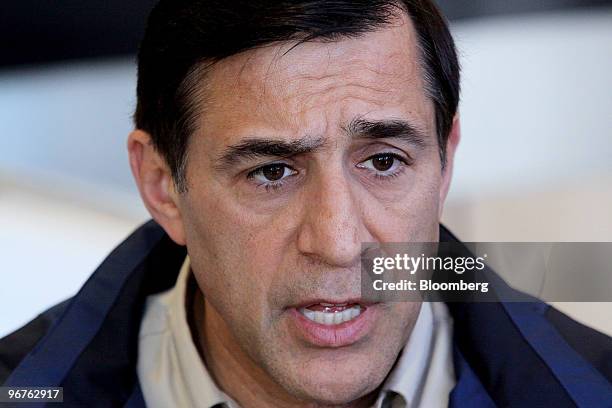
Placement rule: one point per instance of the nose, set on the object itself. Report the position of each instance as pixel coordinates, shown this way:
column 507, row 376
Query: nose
column 331, row 228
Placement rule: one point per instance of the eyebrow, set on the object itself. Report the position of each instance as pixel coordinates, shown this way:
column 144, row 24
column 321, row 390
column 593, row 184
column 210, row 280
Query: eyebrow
column 256, row 147
column 360, row 128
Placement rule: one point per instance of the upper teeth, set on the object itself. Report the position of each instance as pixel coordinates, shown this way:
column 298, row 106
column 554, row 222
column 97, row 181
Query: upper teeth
column 331, row 318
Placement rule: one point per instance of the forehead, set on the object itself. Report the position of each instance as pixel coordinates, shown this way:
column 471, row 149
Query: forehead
column 292, row 85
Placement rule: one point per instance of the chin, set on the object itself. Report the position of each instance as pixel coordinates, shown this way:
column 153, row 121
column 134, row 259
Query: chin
column 336, row 382
column 333, row 393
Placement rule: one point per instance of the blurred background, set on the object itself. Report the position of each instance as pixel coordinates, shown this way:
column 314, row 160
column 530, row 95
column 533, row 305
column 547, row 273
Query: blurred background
column 534, row 164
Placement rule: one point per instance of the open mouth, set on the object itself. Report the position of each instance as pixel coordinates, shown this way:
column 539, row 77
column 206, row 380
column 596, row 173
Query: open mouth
column 331, row 313
column 333, row 322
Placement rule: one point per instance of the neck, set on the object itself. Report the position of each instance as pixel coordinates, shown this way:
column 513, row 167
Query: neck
column 235, row 372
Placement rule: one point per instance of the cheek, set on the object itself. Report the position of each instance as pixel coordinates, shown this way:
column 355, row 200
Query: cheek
column 234, row 258
column 410, row 215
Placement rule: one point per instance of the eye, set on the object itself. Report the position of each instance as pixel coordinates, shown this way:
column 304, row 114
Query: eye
column 271, row 173
column 386, row 163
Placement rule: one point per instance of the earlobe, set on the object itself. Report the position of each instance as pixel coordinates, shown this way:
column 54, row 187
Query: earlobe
column 155, row 184
column 451, row 147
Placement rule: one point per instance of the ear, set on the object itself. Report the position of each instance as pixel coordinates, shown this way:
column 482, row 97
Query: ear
column 155, row 184
column 447, row 174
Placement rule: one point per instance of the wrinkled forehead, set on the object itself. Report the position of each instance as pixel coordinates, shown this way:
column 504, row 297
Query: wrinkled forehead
column 379, row 70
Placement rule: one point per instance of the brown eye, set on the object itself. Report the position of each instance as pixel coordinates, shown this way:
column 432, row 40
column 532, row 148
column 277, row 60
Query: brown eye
column 383, row 162
column 273, row 172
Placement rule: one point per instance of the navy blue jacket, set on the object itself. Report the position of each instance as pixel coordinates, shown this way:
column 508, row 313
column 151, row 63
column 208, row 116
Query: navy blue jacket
column 524, row 354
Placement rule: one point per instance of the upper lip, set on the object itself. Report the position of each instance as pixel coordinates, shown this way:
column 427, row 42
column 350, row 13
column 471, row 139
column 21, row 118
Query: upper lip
column 333, row 301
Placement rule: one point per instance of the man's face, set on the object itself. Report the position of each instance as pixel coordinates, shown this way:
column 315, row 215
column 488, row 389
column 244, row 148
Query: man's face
column 299, row 159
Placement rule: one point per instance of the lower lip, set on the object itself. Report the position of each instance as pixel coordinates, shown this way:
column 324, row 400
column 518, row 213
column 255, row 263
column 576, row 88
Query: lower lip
column 337, row 335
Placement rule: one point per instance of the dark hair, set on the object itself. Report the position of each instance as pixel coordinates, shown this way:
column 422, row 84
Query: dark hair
column 183, row 37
